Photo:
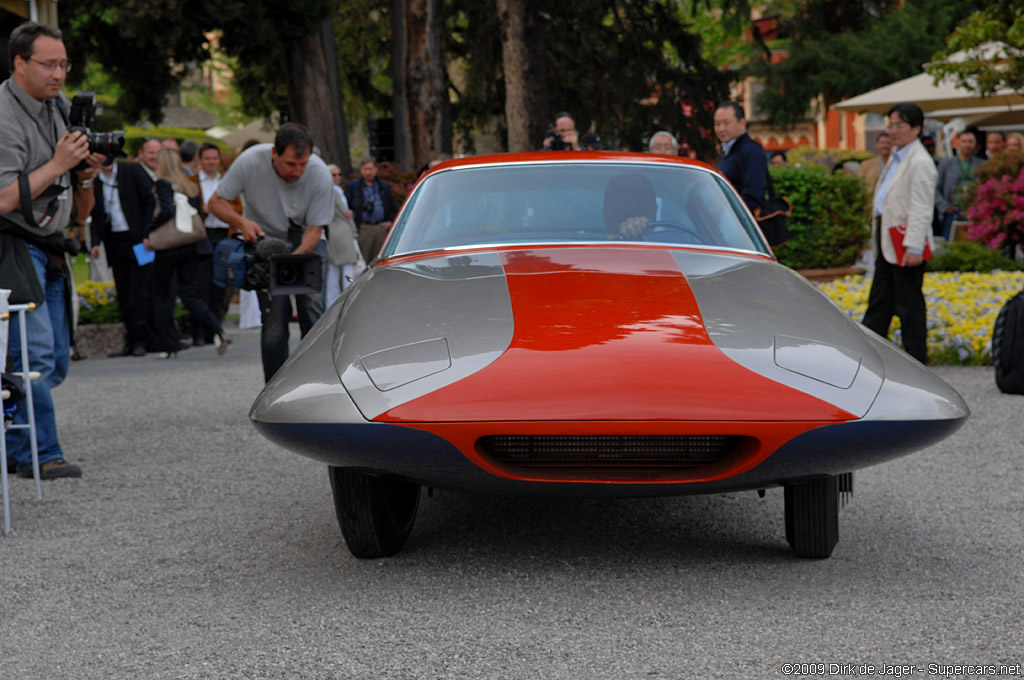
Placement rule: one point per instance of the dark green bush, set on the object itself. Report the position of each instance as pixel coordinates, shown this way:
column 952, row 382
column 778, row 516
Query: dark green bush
column 102, row 314
column 968, row 256
column 827, row 228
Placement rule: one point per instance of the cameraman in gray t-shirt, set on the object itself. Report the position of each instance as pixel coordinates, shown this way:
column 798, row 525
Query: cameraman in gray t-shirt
column 283, row 184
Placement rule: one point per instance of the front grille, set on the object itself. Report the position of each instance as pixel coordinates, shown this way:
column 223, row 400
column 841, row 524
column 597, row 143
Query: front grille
column 612, row 456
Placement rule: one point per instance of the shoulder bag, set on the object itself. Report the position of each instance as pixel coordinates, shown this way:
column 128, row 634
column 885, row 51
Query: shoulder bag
column 773, row 214
column 184, row 228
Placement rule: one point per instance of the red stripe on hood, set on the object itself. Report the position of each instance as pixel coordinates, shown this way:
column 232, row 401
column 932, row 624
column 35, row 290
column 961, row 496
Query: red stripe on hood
column 609, row 334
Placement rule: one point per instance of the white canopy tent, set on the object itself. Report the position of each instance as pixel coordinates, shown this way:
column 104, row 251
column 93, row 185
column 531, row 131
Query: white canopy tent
column 945, row 101
column 922, row 90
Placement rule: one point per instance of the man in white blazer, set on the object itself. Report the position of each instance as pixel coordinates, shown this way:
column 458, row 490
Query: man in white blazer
column 904, row 196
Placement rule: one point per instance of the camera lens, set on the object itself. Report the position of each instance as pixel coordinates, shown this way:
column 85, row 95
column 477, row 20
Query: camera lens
column 107, row 143
column 289, row 275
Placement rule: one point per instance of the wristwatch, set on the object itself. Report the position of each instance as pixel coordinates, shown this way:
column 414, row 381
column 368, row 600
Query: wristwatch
column 85, row 183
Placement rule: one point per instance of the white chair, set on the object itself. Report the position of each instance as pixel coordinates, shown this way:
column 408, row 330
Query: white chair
column 27, row 376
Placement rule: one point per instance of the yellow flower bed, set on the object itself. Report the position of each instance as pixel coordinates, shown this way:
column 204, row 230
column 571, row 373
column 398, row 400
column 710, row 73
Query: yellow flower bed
column 93, row 294
column 961, row 310
column 97, row 302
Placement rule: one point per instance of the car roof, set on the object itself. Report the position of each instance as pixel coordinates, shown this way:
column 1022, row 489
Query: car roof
column 562, row 156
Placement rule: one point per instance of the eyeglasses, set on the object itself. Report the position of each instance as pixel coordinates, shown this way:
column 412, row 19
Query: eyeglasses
column 899, row 125
column 51, row 66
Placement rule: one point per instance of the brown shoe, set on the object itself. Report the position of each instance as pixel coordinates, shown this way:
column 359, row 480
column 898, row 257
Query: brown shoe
column 54, row 469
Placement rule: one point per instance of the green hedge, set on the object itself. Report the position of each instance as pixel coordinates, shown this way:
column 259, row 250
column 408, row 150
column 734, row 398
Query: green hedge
column 135, row 136
column 968, row 256
column 827, row 228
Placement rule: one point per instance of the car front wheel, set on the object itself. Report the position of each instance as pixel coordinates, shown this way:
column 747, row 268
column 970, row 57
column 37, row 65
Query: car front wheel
column 812, row 517
column 375, row 514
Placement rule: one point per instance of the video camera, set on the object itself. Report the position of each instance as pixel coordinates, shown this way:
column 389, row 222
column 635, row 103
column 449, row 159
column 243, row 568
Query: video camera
column 83, row 112
column 268, row 264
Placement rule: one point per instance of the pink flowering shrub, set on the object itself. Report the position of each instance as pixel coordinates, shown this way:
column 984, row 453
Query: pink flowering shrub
column 996, row 211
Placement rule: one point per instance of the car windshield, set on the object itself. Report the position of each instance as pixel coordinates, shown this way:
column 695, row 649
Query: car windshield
column 552, row 202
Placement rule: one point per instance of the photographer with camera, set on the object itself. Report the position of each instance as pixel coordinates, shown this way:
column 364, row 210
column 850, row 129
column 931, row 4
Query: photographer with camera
column 373, row 204
column 46, row 173
column 563, row 136
column 284, row 185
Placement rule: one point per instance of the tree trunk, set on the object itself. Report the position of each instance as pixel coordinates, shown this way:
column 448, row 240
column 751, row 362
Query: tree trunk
column 314, row 93
column 399, row 104
column 424, row 85
column 522, row 53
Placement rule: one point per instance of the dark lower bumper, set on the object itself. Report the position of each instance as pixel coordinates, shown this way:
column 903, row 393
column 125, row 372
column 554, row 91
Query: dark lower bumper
column 426, row 458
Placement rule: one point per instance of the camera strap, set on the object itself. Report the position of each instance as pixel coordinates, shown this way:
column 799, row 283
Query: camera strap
column 26, row 202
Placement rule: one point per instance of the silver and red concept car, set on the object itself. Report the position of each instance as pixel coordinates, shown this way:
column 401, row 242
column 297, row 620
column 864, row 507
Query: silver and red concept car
column 591, row 324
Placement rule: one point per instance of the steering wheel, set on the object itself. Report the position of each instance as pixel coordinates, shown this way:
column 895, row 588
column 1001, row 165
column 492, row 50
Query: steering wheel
column 676, row 226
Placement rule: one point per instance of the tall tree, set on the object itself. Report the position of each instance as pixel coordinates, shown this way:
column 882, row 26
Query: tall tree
column 314, row 92
column 288, row 62
column 420, row 93
column 628, row 68
column 522, row 58
column 993, row 39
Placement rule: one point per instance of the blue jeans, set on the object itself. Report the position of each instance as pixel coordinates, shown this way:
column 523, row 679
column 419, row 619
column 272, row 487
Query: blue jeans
column 49, row 353
column 277, row 313
column 947, row 222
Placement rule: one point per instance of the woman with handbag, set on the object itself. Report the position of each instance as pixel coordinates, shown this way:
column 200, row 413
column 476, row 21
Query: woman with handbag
column 177, row 263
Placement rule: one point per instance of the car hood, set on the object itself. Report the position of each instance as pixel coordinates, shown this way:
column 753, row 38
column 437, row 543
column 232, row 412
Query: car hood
column 599, row 333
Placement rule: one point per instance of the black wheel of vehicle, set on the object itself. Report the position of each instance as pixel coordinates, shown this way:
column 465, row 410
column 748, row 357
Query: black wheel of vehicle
column 812, row 517
column 375, row 514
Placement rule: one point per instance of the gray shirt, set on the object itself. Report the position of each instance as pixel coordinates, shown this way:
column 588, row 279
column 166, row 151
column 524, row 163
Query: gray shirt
column 270, row 201
column 29, row 131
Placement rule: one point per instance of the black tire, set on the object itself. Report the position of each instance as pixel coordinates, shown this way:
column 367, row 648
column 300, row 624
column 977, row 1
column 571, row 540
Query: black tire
column 812, row 517
column 375, row 514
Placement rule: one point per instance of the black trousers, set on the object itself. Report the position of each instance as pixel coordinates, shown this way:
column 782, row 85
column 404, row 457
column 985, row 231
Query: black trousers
column 897, row 291
column 174, row 275
column 134, row 289
column 214, row 295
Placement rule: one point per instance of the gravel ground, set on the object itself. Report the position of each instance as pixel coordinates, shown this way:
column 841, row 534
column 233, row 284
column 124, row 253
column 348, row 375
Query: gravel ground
column 192, row 548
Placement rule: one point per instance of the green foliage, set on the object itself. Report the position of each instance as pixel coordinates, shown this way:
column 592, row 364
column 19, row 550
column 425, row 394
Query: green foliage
column 826, row 158
column 968, row 256
column 137, row 42
column 473, row 40
column 827, row 228
column 1006, row 164
column 823, row 38
column 363, row 38
column 984, row 70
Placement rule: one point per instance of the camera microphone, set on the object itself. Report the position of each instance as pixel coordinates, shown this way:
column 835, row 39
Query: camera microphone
column 269, row 246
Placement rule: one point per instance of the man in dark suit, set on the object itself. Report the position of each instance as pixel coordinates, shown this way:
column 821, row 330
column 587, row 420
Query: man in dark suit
column 743, row 161
column 124, row 204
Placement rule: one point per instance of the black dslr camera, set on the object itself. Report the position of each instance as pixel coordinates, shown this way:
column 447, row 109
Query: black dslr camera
column 83, row 111
column 557, row 143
